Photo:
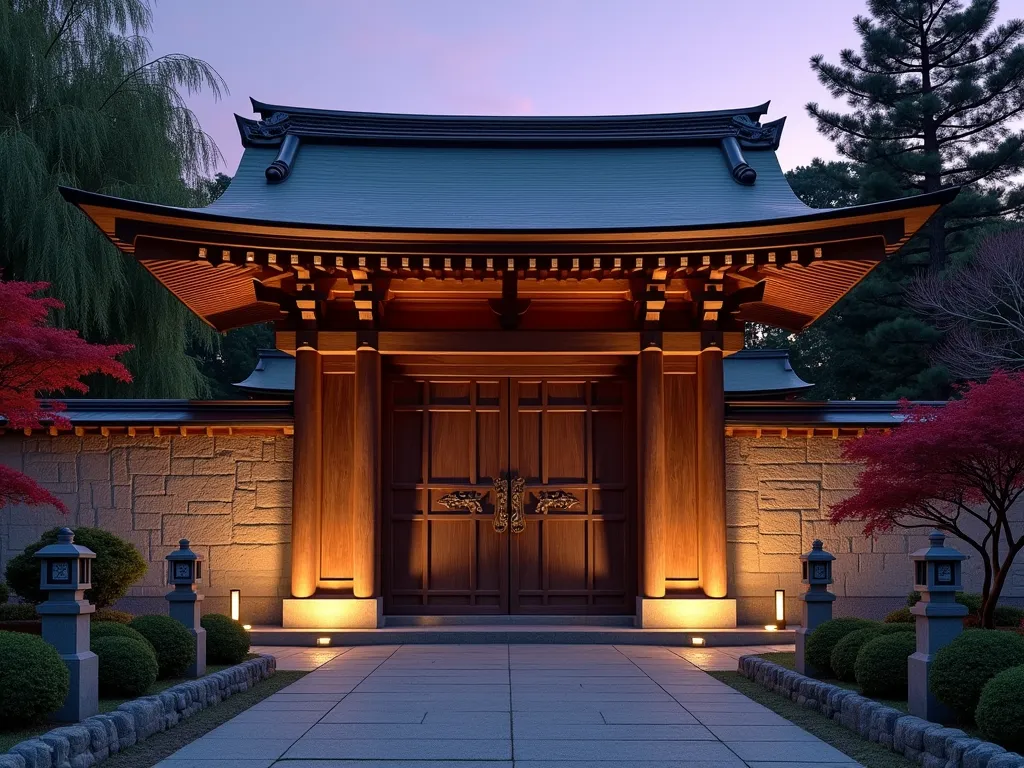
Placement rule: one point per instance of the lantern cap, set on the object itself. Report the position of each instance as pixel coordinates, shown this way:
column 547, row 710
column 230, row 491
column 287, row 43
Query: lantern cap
column 817, row 553
column 183, row 553
column 65, row 548
column 937, row 549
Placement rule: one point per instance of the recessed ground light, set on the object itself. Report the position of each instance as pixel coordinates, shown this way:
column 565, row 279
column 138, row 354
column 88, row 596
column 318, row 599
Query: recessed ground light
column 247, row 627
column 323, row 641
column 697, row 640
column 771, row 627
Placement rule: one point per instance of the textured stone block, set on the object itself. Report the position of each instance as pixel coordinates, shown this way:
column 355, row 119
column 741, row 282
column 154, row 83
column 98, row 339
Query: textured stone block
column 787, row 494
column 780, row 544
column 183, row 466
column 267, row 470
column 1006, row 760
column 910, row 732
column 741, row 508
column 250, row 557
column 192, row 447
column 839, row 477
column 780, row 521
column 149, row 485
column 209, row 508
column 261, row 534
column 206, row 488
column 283, row 449
column 148, row 461
column 217, row 465
column 780, row 563
column 980, row 755
column 747, row 534
column 740, row 477
column 273, row 494
column 198, row 529
column 12, row 761
column 241, row 447
column 806, row 472
column 94, row 466
column 826, row 450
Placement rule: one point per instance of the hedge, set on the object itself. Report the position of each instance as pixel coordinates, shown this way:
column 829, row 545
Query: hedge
column 127, row 666
column 174, row 645
column 117, row 566
column 227, row 642
column 33, row 679
column 881, row 666
column 1000, row 710
column 844, row 655
column 823, row 639
column 961, row 669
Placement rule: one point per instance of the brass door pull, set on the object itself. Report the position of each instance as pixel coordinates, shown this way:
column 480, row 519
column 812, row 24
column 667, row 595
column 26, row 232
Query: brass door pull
column 518, row 492
column 555, row 500
column 500, row 521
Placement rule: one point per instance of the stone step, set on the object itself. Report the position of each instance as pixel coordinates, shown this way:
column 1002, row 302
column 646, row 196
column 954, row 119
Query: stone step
column 521, row 634
column 508, row 620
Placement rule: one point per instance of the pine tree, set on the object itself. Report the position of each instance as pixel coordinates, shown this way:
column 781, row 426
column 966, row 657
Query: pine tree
column 935, row 92
column 83, row 104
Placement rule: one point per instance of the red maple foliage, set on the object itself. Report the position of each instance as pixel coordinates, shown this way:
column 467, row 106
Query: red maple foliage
column 957, row 467
column 39, row 360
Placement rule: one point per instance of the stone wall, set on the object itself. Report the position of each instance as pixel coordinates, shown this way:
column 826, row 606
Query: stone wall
column 229, row 496
column 779, row 492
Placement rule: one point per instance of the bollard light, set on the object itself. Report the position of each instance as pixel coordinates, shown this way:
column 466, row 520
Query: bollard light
column 236, row 601
column 780, row 609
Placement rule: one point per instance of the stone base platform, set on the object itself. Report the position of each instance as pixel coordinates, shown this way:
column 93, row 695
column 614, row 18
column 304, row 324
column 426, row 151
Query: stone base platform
column 689, row 612
column 480, row 634
column 333, row 613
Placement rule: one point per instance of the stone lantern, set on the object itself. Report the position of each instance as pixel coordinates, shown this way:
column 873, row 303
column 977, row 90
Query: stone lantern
column 184, row 571
column 939, row 619
column 816, row 570
column 65, row 574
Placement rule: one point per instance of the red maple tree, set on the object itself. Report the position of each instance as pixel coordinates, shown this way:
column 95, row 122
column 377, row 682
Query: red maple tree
column 39, row 360
column 958, row 468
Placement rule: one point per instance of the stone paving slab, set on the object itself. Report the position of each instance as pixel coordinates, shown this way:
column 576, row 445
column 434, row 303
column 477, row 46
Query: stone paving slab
column 481, row 706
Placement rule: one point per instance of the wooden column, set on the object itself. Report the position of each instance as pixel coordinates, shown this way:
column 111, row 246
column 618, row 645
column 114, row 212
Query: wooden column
column 653, row 471
column 714, row 579
column 307, row 473
column 366, row 474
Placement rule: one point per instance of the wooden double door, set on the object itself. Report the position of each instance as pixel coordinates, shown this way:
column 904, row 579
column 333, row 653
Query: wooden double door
column 506, row 495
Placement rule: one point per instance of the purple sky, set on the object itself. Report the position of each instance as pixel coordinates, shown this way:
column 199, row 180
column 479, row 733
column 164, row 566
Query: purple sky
column 512, row 57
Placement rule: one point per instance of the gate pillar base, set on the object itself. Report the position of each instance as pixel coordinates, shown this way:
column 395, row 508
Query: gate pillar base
column 685, row 613
column 333, row 613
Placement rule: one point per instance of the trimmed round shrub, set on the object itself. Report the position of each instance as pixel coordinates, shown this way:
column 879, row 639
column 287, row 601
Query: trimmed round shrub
column 900, row 616
column 103, row 629
column 822, row 640
column 961, row 669
column 1000, row 710
column 844, row 655
column 117, row 566
column 174, row 645
column 5, row 592
column 127, row 666
column 881, row 666
column 227, row 642
column 33, row 679
column 109, row 614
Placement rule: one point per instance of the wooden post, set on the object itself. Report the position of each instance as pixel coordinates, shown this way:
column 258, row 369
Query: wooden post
column 307, row 472
column 714, row 577
column 365, row 477
column 653, row 471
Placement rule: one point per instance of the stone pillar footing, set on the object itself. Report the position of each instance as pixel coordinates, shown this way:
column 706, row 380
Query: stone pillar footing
column 685, row 613
column 333, row 613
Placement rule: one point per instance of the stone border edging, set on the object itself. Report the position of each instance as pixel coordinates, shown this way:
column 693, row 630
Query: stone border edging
column 926, row 743
column 96, row 738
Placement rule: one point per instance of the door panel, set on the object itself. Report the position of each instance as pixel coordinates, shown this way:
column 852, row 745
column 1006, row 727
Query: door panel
column 443, row 438
column 575, row 437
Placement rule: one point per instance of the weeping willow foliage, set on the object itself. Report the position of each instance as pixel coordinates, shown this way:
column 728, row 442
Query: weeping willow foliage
column 84, row 104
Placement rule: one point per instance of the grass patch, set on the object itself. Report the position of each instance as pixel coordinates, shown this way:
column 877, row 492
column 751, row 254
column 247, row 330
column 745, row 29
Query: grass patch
column 9, row 738
column 164, row 744
column 866, row 753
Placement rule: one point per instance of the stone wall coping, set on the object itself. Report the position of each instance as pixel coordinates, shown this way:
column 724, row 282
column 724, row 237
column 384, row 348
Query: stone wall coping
column 926, row 743
column 96, row 738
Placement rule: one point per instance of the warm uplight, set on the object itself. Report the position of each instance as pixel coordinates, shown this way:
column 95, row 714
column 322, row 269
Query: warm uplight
column 236, row 602
column 697, row 640
column 780, row 609
column 323, row 641
column 247, row 627
column 771, row 627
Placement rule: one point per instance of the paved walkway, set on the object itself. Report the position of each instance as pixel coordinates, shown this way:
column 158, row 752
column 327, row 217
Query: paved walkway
column 487, row 705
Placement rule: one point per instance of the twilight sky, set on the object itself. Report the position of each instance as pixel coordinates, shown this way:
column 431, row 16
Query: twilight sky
column 518, row 57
